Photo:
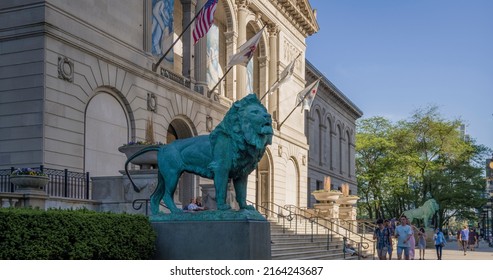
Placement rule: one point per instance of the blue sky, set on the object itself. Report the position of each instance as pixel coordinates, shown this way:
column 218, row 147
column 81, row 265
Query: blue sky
column 391, row 57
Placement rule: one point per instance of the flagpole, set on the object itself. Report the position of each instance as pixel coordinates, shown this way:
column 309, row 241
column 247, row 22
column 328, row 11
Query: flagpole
column 220, row 80
column 263, row 96
column 290, row 113
column 276, row 81
column 155, row 65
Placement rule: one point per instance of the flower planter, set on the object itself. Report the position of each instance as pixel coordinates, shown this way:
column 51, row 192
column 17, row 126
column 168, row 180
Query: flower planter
column 326, row 196
column 145, row 161
column 30, row 182
column 348, row 200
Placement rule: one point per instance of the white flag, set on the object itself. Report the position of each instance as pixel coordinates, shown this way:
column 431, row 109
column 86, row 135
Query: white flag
column 246, row 51
column 307, row 95
column 285, row 76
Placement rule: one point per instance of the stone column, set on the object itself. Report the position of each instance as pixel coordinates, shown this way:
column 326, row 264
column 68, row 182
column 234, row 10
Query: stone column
column 230, row 87
column 187, row 39
column 200, row 61
column 263, row 79
column 273, row 73
column 242, row 33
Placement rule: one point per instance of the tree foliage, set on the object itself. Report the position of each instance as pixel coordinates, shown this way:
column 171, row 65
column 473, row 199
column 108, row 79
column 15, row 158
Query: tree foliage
column 401, row 165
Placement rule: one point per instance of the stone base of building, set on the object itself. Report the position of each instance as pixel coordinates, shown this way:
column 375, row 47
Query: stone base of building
column 212, row 240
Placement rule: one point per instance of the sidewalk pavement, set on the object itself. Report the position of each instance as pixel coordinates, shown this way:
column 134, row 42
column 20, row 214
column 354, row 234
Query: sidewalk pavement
column 452, row 251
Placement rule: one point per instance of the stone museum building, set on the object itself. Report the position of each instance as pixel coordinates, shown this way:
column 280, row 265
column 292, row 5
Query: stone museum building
column 78, row 80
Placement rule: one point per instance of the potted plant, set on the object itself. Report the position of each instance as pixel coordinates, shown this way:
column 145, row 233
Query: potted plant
column 147, row 160
column 326, row 196
column 29, row 179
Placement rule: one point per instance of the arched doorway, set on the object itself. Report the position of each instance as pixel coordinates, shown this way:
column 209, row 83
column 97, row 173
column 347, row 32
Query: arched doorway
column 106, row 128
column 264, row 176
column 187, row 186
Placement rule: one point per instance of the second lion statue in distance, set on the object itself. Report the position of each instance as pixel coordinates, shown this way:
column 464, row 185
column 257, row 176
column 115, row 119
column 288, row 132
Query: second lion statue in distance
column 231, row 151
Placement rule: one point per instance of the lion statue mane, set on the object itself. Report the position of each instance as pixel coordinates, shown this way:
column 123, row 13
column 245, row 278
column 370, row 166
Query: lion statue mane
column 231, row 151
column 425, row 212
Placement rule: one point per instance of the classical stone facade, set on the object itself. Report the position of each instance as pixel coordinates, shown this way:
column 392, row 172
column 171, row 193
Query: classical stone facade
column 79, row 78
column 331, row 131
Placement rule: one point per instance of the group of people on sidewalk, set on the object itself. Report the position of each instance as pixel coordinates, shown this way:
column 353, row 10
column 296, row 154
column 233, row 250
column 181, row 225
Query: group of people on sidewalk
column 406, row 242
column 467, row 239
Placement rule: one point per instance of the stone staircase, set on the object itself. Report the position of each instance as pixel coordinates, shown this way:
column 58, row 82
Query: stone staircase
column 288, row 245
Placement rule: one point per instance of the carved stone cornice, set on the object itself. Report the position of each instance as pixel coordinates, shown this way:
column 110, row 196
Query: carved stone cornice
column 299, row 13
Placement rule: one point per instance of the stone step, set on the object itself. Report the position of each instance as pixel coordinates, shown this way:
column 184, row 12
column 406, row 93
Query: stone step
column 296, row 244
column 312, row 255
column 297, row 248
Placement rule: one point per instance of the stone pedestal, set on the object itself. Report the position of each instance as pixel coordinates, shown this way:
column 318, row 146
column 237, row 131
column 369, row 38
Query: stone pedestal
column 32, row 190
column 212, row 240
column 34, row 200
column 347, row 213
column 328, row 210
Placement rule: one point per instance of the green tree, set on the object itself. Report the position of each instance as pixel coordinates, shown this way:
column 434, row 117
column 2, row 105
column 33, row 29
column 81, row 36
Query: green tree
column 375, row 164
column 401, row 166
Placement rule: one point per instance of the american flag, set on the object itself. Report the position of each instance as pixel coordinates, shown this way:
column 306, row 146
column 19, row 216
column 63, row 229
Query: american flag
column 204, row 20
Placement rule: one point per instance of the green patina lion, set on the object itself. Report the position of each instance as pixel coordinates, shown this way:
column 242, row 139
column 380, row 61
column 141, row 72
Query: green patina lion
column 425, row 212
column 231, row 151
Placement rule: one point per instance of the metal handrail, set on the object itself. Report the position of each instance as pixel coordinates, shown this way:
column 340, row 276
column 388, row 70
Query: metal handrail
column 286, row 213
column 341, row 224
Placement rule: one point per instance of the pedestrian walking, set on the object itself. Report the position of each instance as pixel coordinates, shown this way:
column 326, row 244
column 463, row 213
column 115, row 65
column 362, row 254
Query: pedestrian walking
column 391, row 230
column 473, row 239
column 422, row 243
column 412, row 241
column 464, row 238
column 403, row 233
column 382, row 236
column 440, row 242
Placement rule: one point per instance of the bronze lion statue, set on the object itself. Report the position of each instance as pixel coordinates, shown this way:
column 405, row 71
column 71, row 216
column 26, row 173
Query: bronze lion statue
column 231, row 151
column 425, row 212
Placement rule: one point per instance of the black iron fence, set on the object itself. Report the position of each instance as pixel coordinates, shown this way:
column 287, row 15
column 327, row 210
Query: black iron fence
column 63, row 183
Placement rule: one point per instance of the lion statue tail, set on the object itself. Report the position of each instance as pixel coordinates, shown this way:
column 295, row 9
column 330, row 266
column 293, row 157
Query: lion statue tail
column 143, row 151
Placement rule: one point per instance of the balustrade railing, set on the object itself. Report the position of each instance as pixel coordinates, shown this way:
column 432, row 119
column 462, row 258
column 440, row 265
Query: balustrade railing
column 63, row 183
